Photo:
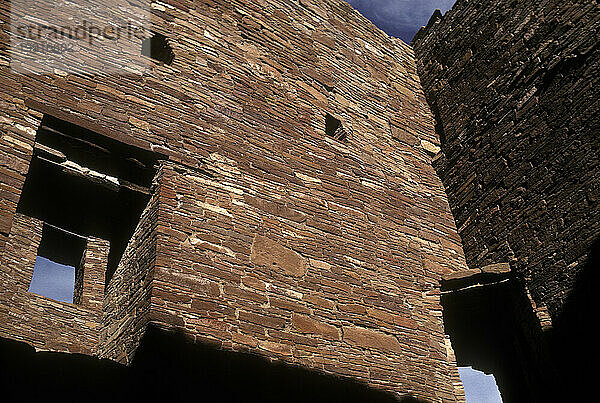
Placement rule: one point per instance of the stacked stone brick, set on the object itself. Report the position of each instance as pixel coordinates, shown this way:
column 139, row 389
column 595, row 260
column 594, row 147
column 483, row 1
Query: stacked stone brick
column 514, row 86
column 40, row 321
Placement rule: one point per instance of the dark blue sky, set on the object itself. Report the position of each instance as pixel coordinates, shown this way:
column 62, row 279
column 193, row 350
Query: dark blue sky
column 400, row 18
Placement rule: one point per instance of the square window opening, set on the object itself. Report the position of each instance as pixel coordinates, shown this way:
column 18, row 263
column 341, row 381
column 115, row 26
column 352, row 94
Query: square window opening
column 489, row 321
column 57, row 270
column 157, row 47
column 335, row 129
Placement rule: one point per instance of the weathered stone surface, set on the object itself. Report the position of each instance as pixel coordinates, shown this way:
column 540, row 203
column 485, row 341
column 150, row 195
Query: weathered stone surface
column 369, row 338
column 305, row 324
column 496, row 268
column 515, row 88
column 515, row 100
column 266, row 252
column 48, row 324
column 461, row 274
column 275, row 208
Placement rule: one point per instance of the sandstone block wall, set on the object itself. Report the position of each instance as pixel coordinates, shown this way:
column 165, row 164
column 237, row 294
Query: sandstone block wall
column 127, row 302
column 252, row 273
column 263, row 234
column 515, row 89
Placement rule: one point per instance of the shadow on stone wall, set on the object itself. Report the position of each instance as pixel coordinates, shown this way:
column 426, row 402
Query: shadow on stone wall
column 171, row 369
column 494, row 329
column 573, row 337
column 489, row 331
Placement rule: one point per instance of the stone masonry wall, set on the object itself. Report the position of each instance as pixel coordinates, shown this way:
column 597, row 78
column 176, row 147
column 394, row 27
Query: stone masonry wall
column 270, row 236
column 127, row 302
column 248, row 270
column 515, row 89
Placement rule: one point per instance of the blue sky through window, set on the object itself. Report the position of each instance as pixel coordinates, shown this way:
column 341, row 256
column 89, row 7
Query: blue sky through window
column 479, row 387
column 53, row 280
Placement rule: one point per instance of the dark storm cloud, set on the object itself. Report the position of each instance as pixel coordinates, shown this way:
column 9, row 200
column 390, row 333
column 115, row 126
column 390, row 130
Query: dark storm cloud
column 400, row 18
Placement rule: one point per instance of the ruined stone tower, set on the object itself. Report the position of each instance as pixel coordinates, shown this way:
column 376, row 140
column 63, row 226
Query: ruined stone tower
column 264, row 186
column 514, row 87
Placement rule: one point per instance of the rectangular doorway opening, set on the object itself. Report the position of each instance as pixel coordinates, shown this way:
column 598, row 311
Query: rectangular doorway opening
column 493, row 330
column 88, row 184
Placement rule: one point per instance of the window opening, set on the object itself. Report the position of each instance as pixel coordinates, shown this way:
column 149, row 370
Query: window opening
column 53, row 280
column 157, row 47
column 479, row 386
column 58, row 264
column 493, row 329
column 334, row 128
column 87, row 184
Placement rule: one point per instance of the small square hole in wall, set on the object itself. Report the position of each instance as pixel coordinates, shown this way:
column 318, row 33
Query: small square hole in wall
column 334, row 128
column 58, row 259
column 157, row 47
